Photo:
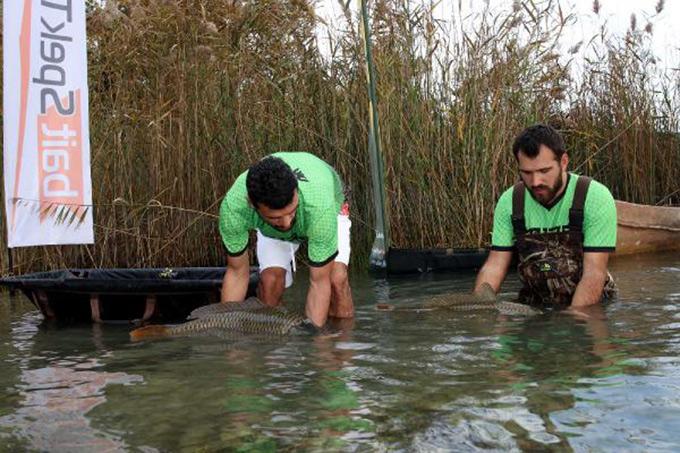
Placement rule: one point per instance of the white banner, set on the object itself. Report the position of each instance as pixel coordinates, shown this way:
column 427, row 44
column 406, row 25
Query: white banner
column 48, row 192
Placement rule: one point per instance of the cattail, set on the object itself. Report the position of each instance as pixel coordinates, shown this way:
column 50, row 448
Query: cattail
column 209, row 27
column 110, row 13
column 659, row 6
column 515, row 22
column 633, row 22
column 575, row 48
column 649, row 28
column 596, row 7
column 205, row 53
column 557, row 92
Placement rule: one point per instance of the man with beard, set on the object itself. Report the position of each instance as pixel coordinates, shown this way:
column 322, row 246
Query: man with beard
column 562, row 226
column 289, row 198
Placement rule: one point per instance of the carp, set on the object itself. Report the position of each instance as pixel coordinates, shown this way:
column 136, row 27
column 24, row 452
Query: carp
column 249, row 316
column 484, row 299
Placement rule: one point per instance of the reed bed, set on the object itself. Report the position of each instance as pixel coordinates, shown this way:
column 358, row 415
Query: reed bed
column 185, row 94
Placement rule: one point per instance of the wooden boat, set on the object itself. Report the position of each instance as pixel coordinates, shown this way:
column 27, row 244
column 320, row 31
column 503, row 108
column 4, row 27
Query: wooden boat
column 640, row 229
column 645, row 228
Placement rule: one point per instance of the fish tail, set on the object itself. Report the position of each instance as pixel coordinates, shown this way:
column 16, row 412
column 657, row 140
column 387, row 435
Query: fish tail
column 149, row 331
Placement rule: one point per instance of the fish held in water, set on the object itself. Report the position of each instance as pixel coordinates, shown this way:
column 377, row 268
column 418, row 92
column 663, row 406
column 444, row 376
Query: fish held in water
column 484, row 299
column 250, row 316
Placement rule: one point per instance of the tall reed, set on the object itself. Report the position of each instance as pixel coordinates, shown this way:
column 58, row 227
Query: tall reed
column 184, row 94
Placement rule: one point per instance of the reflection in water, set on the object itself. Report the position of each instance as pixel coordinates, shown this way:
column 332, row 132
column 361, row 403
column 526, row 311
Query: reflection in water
column 53, row 401
column 418, row 381
column 56, row 402
column 545, row 359
column 541, row 369
column 344, row 415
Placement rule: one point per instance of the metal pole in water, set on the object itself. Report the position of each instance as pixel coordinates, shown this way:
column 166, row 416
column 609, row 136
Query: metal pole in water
column 381, row 244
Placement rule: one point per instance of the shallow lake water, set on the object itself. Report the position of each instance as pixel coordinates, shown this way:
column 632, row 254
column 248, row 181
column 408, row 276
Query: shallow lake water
column 390, row 381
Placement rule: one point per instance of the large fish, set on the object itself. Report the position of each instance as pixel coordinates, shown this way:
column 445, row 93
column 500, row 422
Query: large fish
column 249, row 316
column 484, row 299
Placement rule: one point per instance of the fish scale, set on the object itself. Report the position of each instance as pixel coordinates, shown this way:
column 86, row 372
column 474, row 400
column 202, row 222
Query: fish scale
column 270, row 321
column 484, row 299
column 250, row 316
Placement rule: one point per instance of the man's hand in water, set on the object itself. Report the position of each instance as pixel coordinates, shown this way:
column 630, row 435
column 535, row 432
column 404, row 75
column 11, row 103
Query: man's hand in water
column 589, row 312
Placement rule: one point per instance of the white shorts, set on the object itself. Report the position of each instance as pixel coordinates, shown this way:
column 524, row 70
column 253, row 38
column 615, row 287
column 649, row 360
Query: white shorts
column 276, row 253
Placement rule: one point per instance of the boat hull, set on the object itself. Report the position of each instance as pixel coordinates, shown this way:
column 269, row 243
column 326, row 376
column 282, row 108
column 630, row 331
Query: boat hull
column 644, row 228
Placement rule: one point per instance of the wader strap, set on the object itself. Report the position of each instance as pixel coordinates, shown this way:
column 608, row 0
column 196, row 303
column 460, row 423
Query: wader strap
column 579, row 201
column 518, row 225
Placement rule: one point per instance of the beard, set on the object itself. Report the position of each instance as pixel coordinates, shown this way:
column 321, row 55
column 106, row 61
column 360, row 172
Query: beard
column 545, row 194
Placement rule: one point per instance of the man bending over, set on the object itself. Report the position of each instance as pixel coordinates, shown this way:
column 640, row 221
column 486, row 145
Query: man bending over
column 288, row 198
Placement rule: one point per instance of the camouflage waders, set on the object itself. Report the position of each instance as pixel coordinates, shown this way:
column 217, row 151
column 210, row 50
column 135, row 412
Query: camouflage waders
column 551, row 264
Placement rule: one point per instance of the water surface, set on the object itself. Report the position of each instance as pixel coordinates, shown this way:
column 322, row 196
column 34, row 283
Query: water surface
column 427, row 381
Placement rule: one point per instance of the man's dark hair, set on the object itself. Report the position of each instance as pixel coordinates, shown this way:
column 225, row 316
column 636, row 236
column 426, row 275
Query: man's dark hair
column 271, row 182
column 529, row 141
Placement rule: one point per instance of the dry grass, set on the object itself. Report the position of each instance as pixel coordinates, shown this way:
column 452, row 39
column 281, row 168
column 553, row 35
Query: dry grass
column 184, row 94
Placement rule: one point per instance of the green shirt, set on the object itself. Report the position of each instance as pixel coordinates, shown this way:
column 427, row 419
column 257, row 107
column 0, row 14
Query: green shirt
column 599, row 217
column 320, row 197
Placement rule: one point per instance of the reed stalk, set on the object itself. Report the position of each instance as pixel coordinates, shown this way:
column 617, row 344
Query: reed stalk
column 185, row 94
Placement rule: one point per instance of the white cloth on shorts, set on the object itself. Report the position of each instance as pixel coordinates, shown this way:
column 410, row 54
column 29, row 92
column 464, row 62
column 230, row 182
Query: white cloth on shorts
column 277, row 253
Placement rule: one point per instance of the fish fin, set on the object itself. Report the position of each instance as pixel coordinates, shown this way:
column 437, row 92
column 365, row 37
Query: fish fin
column 253, row 303
column 156, row 330
column 384, row 307
column 250, row 304
column 485, row 293
column 212, row 309
column 515, row 308
column 452, row 300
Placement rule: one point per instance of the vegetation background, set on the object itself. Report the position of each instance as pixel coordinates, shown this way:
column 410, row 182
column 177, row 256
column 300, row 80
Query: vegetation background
column 185, row 94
